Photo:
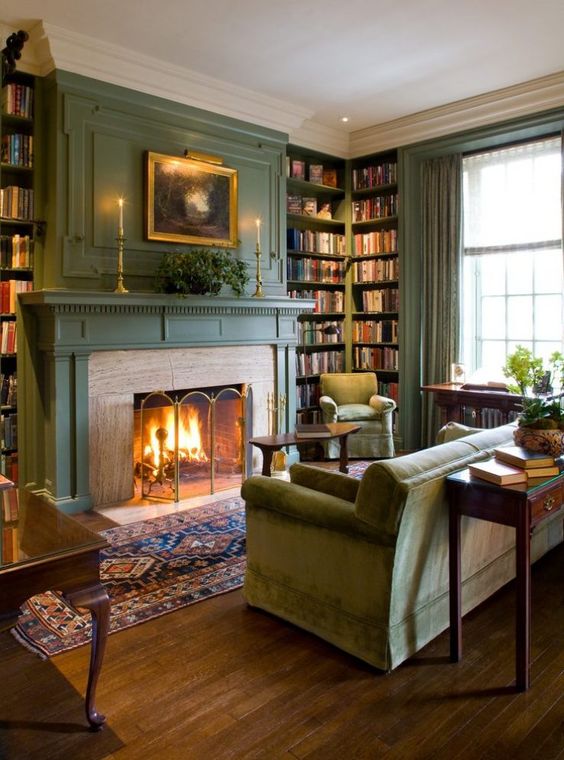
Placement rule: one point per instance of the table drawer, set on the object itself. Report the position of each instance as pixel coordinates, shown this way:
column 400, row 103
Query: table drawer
column 546, row 504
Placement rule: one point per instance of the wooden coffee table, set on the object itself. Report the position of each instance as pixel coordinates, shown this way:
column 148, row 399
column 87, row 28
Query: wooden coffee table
column 51, row 550
column 268, row 444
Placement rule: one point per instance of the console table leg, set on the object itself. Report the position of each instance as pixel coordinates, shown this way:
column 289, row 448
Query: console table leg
column 95, row 599
column 523, row 603
column 455, row 593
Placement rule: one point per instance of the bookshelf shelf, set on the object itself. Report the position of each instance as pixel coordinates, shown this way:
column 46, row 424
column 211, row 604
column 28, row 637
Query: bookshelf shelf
column 18, row 231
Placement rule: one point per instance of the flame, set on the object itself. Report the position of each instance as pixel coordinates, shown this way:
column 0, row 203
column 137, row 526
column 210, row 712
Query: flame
column 189, row 439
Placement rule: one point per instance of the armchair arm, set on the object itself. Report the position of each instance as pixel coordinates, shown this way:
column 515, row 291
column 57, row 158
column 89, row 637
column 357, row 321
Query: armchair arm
column 329, row 409
column 307, row 506
column 332, row 483
column 382, row 404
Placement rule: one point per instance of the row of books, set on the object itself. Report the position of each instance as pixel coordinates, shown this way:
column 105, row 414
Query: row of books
column 315, row 270
column 365, row 357
column 315, row 241
column 10, row 504
column 377, row 241
column 16, row 203
column 320, row 361
column 307, row 394
column 315, row 173
column 8, row 337
column 376, row 270
column 385, row 300
column 514, row 464
column 16, row 251
column 379, row 331
column 17, row 150
column 9, row 290
column 17, row 100
column 326, row 301
column 298, row 204
column 390, row 390
column 378, row 207
column 9, row 431
column 9, row 466
column 371, row 176
column 8, row 389
column 310, row 334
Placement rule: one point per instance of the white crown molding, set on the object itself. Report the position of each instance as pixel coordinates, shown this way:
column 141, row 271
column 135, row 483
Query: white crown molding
column 317, row 136
column 29, row 61
column 534, row 96
column 93, row 58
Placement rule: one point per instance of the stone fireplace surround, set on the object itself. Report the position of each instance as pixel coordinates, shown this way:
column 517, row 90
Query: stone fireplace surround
column 83, row 355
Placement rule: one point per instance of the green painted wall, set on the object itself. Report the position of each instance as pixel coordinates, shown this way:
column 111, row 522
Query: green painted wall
column 95, row 138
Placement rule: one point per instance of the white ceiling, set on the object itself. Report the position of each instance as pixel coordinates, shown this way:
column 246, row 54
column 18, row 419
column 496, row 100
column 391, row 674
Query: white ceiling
column 370, row 60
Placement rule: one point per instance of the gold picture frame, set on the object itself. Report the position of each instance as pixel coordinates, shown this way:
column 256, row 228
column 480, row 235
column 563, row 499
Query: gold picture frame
column 190, row 201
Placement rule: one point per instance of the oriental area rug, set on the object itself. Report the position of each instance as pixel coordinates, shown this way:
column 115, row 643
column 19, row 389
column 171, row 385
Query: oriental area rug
column 151, row 568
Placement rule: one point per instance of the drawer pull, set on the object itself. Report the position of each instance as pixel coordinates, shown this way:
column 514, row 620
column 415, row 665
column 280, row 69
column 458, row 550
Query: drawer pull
column 549, row 503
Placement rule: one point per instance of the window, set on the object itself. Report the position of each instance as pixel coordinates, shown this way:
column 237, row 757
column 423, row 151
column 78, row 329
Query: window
column 512, row 274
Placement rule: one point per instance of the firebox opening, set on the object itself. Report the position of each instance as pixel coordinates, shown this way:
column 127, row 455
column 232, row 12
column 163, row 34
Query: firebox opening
column 190, row 443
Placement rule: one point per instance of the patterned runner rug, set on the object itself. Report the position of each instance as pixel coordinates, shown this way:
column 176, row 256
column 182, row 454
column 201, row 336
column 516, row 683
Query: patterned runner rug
column 151, row 568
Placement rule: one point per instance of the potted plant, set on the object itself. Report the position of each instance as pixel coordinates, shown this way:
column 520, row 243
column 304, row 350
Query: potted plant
column 526, row 369
column 201, row 271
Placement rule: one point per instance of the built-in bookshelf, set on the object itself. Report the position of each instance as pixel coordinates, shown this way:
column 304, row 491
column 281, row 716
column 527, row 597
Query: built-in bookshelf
column 17, row 240
column 316, row 268
column 375, row 269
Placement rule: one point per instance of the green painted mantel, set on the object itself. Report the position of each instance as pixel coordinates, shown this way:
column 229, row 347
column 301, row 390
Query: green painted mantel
column 62, row 328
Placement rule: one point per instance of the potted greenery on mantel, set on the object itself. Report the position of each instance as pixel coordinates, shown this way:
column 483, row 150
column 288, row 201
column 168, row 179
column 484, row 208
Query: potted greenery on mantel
column 201, row 271
column 541, row 423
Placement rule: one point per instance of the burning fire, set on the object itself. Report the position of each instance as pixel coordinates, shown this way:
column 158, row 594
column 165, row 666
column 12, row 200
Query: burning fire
column 160, row 450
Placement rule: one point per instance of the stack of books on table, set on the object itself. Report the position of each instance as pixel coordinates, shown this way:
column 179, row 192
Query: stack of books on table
column 514, row 464
column 313, row 431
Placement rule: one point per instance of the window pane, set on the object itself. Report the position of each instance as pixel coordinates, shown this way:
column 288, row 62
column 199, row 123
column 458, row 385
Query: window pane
column 548, row 317
column 520, row 317
column 493, row 317
column 548, row 271
column 492, row 276
column 493, row 358
column 520, row 273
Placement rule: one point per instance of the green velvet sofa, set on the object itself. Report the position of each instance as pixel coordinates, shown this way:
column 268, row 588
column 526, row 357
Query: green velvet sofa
column 364, row 564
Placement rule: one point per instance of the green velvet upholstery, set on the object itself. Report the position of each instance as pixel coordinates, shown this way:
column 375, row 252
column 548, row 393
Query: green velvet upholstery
column 353, row 397
column 364, row 565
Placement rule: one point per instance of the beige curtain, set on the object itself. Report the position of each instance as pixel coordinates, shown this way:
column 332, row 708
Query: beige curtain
column 442, row 236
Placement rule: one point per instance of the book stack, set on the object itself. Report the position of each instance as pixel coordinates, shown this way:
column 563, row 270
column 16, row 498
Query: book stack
column 514, row 464
column 313, row 431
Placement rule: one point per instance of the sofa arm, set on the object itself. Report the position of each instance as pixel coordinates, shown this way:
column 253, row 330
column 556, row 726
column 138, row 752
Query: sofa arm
column 332, row 483
column 329, row 409
column 307, row 506
column 382, row 404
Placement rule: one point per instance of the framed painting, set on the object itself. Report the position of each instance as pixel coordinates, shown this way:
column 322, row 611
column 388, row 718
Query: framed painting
column 190, row 201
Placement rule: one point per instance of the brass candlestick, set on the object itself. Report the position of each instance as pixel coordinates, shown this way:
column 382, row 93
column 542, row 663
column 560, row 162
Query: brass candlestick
column 121, row 244
column 259, row 293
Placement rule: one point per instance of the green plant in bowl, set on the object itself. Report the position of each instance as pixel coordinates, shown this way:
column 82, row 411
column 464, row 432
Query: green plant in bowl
column 201, row 271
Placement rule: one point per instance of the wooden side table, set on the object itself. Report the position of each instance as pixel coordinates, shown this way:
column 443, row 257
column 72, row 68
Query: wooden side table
column 522, row 507
column 268, row 444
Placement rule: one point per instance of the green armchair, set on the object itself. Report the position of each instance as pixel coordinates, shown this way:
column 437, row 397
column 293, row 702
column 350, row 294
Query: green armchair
column 353, row 397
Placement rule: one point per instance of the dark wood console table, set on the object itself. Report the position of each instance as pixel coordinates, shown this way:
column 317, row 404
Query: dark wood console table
column 522, row 507
column 452, row 399
column 268, row 444
column 51, row 550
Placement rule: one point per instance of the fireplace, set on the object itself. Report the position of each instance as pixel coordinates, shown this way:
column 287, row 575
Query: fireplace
column 85, row 355
column 192, row 442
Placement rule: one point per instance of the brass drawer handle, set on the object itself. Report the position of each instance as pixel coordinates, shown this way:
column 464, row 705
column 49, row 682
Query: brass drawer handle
column 549, row 503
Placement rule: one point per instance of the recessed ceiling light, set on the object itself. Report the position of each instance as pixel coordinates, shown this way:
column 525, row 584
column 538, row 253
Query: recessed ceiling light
column 344, row 119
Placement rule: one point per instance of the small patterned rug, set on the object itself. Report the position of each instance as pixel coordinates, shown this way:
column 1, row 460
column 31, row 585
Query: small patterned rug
column 150, row 568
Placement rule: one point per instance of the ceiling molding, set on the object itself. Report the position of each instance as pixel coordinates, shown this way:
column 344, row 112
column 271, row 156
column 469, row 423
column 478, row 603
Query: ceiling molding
column 500, row 105
column 317, row 136
column 93, row 58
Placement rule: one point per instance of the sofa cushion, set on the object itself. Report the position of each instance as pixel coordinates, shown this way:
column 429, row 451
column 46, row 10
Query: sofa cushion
column 452, row 431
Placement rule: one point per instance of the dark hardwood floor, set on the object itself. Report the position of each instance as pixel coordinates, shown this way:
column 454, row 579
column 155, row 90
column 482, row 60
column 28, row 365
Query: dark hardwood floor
column 220, row 680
